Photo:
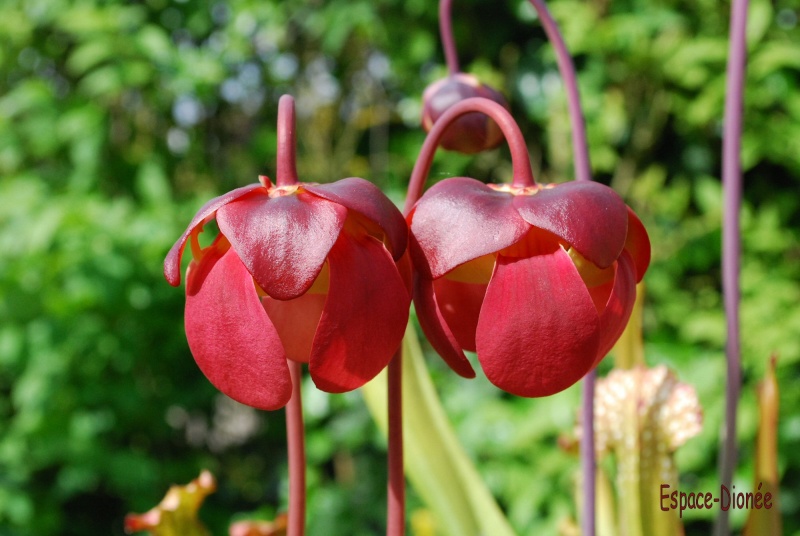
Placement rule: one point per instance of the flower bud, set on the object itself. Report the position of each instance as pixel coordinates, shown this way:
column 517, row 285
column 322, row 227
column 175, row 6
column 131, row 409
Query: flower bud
column 471, row 133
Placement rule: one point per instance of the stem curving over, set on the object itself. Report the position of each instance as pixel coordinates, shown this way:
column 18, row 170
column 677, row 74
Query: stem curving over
column 523, row 176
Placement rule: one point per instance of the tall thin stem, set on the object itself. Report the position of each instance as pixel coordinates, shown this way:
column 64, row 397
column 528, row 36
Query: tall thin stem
column 583, row 170
column 731, row 242
column 396, row 510
column 446, row 31
column 521, row 163
column 286, row 165
column 297, row 455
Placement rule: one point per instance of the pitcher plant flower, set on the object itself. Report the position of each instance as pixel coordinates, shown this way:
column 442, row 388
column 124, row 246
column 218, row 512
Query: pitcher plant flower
column 539, row 280
column 470, row 133
column 642, row 416
column 299, row 271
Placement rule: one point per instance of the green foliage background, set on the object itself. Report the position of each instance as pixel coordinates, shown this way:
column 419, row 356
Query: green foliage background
column 119, row 119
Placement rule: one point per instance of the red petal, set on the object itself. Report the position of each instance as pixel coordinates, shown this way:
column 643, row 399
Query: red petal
column 458, row 220
column 296, row 322
column 589, row 216
column 367, row 199
column 460, row 305
column 618, row 309
column 538, row 329
column 172, row 264
column 638, row 244
column 364, row 318
column 435, row 328
column 284, row 240
column 230, row 335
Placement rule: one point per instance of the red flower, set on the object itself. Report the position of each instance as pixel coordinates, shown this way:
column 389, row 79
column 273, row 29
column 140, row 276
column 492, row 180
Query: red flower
column 303, row 271
column 539, row 280
column 471, row 133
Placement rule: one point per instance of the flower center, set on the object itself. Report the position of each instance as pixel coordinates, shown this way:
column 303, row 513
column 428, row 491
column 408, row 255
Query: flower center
column 280, row 191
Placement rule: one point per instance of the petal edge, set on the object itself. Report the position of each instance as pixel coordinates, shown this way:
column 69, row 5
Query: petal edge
column 590, row 216
column 367, row 199
column 283, row 241
column 230, row 335
column 364, row 318
column 172, row 262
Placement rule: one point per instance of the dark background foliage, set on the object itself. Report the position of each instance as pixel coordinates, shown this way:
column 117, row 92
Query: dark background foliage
column 119, row 119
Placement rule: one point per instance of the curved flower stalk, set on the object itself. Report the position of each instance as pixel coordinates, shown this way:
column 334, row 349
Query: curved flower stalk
column 299, row 271
column 539, row 280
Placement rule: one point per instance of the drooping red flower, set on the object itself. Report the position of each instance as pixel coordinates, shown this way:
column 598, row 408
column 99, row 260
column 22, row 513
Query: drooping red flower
column 471, row 133
column 314, row 273
column 538, row 280
column 305, row 272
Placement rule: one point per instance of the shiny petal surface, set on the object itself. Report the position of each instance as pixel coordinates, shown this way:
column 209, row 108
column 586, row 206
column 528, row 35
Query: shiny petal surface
column 460, row 305
column 364, row 317
column 367, row 199
column 538, row 328
column 618, row 309
column 458, row 220
column 283, row 241
column 436, row 330
column 638, row 244
column 172, row 264
column 589, row 216
column 230, row 335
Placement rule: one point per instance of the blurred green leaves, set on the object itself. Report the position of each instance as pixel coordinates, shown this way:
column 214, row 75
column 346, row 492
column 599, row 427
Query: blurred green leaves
column 118, row 119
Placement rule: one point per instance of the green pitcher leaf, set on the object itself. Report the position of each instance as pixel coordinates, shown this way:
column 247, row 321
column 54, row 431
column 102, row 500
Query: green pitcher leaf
column 766, row 520
column 642, row 416
column 176, row 514
column 436, row 463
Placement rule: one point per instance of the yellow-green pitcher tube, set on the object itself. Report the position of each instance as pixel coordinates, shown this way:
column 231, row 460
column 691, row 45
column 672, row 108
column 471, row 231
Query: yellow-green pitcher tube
column 437, row 466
